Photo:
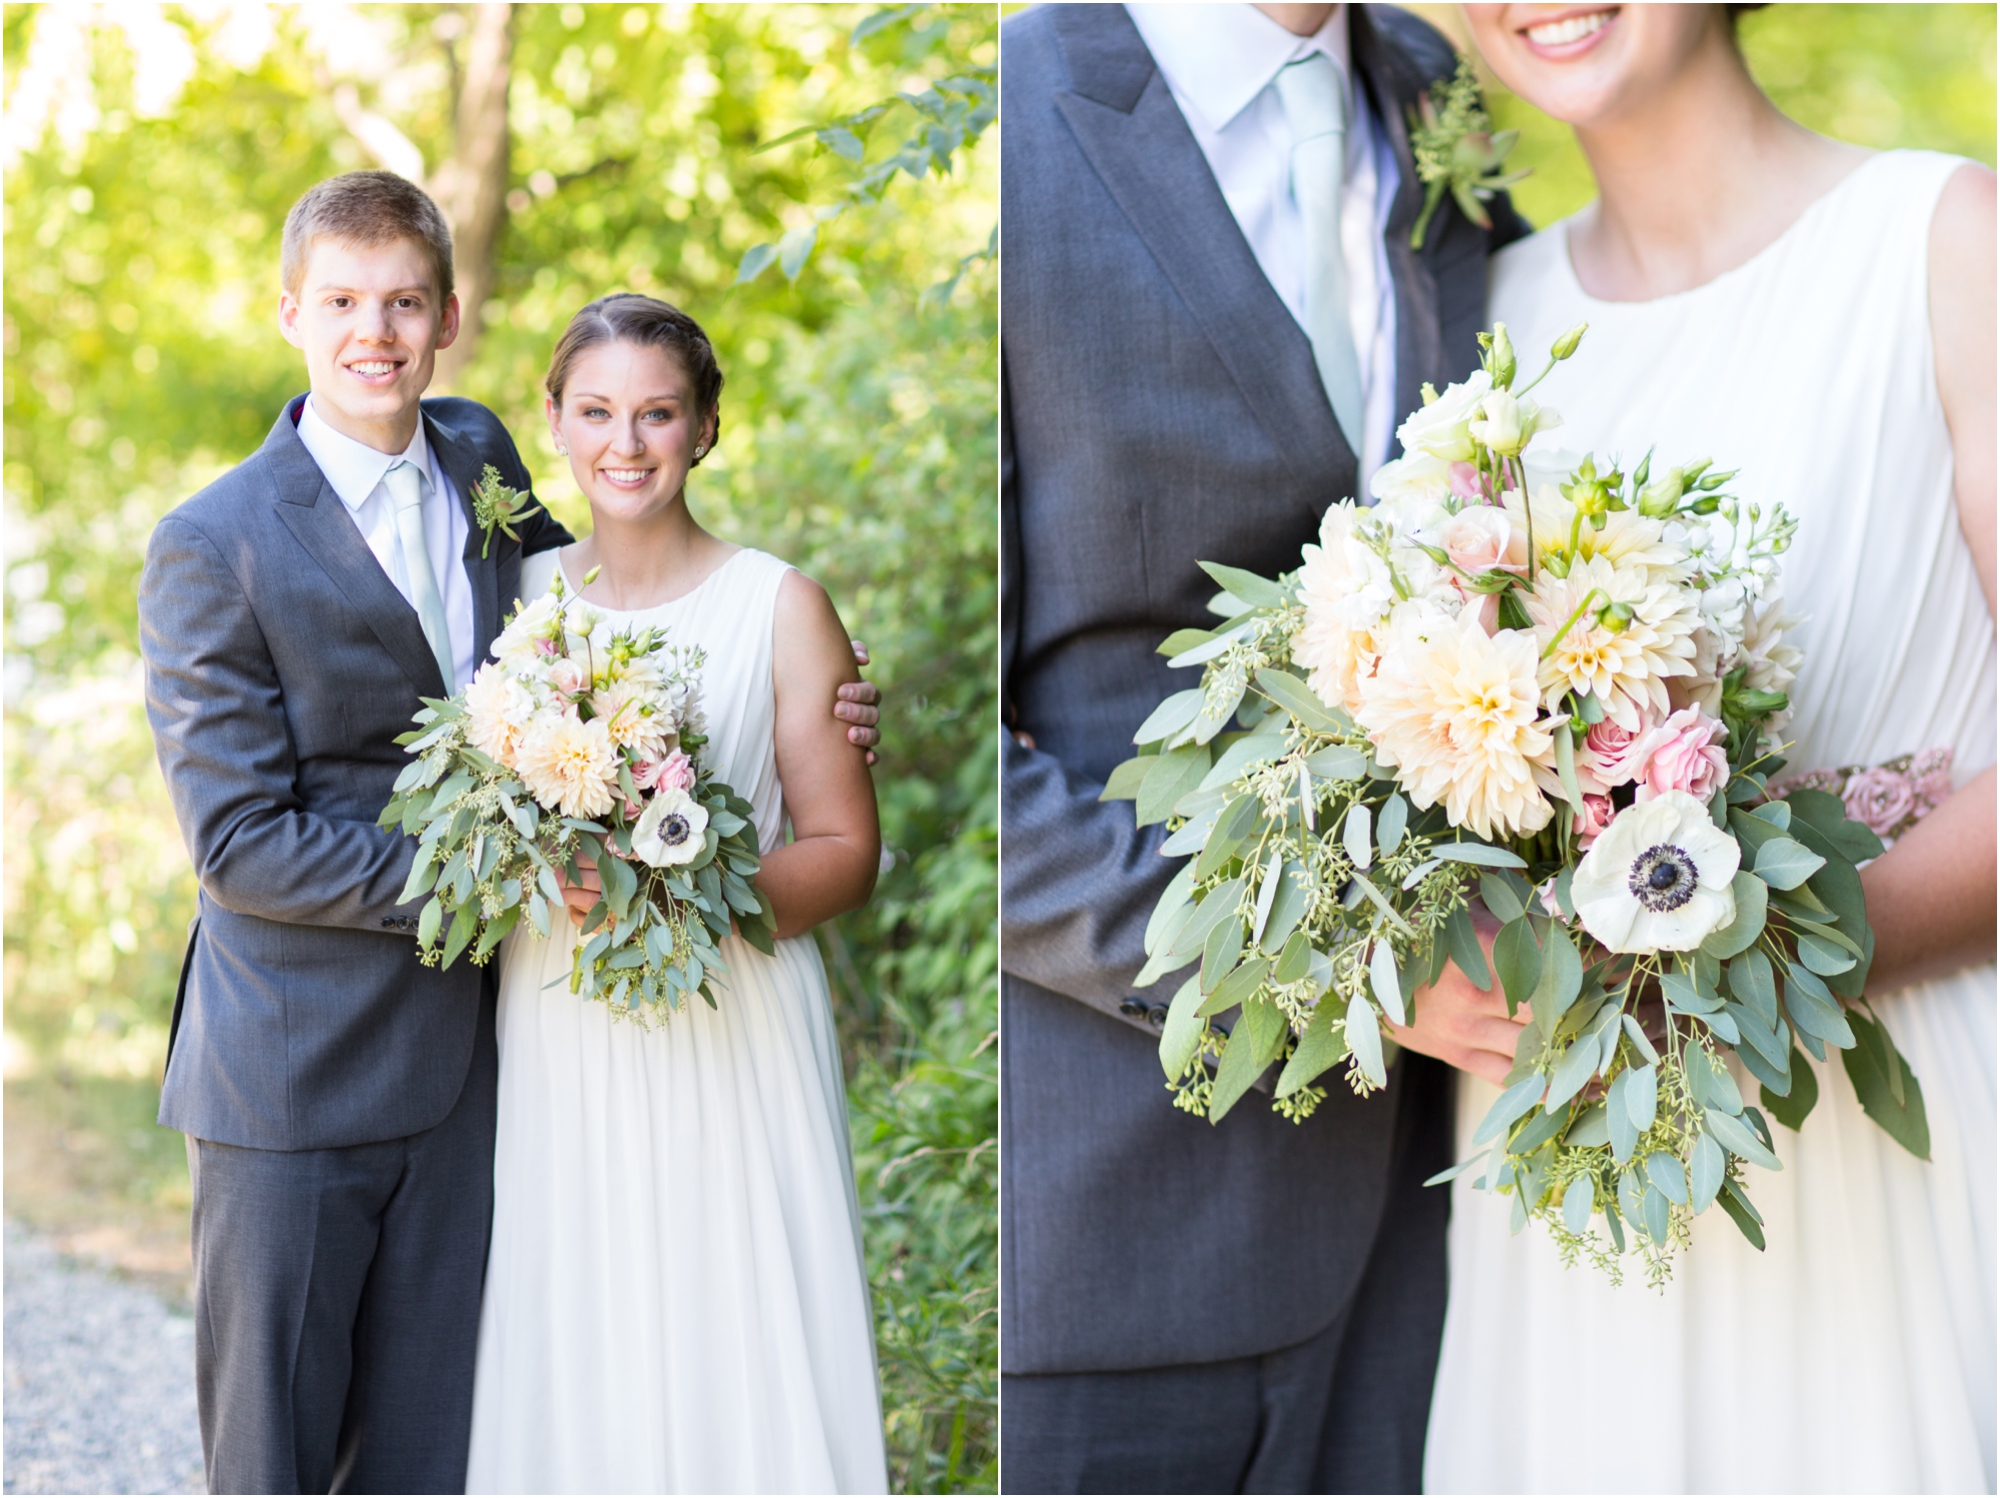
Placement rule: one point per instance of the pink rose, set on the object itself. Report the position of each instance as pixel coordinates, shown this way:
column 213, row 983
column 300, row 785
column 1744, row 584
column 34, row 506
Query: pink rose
column 1930, row 774
column 1597, row 814
column 1476, row 538
column 1604, row 750
column 1683, row 754
column 1465, row 483
column 673, row 771
column 1880, row 799
column 545, row 647
column 568, row 677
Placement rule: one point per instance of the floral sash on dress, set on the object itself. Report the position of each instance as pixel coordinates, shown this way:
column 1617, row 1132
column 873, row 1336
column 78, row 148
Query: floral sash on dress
column 1888, row 799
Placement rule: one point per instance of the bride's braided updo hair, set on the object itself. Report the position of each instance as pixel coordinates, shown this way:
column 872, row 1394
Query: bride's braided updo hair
column 627, row 317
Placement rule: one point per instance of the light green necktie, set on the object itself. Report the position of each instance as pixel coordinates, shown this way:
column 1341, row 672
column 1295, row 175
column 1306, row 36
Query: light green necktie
column 1315, row 99
column 405, row 483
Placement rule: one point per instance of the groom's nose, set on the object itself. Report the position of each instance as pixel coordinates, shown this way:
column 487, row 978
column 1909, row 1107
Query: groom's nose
column 375, row 325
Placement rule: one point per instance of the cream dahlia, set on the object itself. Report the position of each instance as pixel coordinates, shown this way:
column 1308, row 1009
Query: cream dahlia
column 1626, row 667
column 1454, row 711
column 498, row 709
column 569, row 766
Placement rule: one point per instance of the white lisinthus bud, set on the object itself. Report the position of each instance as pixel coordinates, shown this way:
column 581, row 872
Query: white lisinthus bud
column 1502, row 363
column 1662, row 497
column 1567, row 344
column 1506, row 424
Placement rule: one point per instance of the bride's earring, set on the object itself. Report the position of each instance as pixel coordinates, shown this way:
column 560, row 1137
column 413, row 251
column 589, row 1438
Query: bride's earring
column 698, row 452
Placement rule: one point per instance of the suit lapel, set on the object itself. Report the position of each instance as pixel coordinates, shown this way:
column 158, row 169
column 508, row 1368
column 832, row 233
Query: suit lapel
column 1133, row 134
column 320, row 522
column 463, row 467
column 1419, row 341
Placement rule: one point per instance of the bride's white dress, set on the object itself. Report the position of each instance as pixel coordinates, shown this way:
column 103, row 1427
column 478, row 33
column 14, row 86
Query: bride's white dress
column 675, row 1297
column 1857, row 1353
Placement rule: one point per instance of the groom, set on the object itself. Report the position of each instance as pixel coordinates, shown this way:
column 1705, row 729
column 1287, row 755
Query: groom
column 1214, row 322
column 337, row 1096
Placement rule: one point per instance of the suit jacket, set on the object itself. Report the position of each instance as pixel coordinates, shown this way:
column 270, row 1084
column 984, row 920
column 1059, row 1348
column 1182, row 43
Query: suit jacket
column 1160, row 407
column 281, row 664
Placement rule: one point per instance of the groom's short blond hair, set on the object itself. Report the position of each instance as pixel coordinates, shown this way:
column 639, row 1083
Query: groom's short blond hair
column 366, row 208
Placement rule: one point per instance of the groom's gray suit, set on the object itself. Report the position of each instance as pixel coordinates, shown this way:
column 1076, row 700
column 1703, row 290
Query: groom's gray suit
column 1184, row 1308
column 338, row 1096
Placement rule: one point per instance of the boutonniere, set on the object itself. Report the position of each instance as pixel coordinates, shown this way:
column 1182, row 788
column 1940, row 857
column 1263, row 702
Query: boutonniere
column 496, row 507
column 1456, row 150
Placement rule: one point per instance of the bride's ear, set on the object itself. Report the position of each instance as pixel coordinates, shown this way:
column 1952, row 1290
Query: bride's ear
column 555, row 423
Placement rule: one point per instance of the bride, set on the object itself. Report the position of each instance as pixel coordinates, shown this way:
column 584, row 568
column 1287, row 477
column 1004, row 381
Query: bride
column 675, row 1299
column 1822, row 318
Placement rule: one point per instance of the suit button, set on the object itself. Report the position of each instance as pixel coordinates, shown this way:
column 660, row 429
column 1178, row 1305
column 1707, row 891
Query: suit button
column 1157, row 1016
column 1132, row 1007
column 389, row 923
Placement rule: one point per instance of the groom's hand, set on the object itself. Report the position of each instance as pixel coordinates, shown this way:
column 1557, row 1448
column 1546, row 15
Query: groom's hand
column 582, row 895
column 855, row 705
column 1461, row 1025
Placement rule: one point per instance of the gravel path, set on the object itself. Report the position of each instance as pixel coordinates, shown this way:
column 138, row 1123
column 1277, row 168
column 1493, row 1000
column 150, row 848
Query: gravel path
column 99, row 1381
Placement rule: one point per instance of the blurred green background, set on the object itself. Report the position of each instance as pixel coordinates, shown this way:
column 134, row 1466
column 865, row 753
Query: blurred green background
column 1886, row 76
column 151, row 154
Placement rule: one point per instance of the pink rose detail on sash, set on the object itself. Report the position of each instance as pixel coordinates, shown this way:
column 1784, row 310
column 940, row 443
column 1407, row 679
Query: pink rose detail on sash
column 1889, row 798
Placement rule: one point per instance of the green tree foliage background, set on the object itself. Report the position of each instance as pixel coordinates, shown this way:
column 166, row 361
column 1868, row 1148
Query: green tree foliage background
column 1886, row 76
column 150, row 157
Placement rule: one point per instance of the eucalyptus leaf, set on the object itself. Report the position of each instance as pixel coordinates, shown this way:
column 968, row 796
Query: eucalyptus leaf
column 1356, row 836
column 1518, row 961
column 1320, row 1047
column 1791, row 1107
column 1707, row 1172
column 1578, row 1198
column 1296, row 698
column 1170, row 717
column 1389, row 826
column 1748, row 925
column 1785, row 864
column 1384, row 980
column 1180, row 1036
column 1462, row 941
column 1642, row 1095
column 1253, row 1045
column 1510, row 1105
column 1735, row 1136
column 1364, row 1038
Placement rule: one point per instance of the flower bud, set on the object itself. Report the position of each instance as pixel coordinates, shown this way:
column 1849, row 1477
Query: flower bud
column 1498, row 425
column 1615, row 617
column 1500, row 361
column 1662, row 496
column 1566, row 345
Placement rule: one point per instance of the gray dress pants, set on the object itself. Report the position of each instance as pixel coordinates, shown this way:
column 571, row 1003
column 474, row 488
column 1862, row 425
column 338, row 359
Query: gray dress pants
column 1342, row 1411
column 337, row 1303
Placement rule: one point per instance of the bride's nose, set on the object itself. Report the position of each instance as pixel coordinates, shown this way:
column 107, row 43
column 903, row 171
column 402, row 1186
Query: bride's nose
column 630, row 442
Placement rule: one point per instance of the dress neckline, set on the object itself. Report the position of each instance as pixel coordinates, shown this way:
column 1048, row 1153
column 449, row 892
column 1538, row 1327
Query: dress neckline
column 1560, row 232
column 665, row 603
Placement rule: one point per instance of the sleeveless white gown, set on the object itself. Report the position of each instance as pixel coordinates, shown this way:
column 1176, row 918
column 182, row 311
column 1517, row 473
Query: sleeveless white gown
column 1857, row 1354
column 675, row 1296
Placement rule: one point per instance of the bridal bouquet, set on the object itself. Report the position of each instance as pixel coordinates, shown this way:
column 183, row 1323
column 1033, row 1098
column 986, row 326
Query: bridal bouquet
column 575, row 747
column 1558, row 689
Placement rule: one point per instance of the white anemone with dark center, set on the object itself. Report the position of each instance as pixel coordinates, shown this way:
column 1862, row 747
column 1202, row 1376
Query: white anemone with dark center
column 1658, row 879
column 1664, row 877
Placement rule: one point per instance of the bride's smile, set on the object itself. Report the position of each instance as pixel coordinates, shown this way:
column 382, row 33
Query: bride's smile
column 1569, row 34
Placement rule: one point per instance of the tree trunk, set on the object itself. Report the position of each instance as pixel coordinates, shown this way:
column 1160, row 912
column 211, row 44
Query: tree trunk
column 471, row 185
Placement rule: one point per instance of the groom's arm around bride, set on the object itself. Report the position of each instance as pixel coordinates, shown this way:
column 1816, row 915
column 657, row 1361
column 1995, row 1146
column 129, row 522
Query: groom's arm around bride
column 1192, row 370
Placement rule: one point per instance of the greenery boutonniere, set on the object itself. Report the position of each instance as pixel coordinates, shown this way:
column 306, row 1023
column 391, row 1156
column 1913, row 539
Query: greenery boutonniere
column 1456, row 150
column 495, row 505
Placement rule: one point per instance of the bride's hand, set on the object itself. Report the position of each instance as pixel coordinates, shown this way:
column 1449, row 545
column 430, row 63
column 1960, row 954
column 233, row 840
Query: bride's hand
column 1464, row 1026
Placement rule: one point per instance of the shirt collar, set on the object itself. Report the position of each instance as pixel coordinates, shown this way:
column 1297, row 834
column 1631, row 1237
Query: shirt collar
column 355, row 469
column 1218, row 58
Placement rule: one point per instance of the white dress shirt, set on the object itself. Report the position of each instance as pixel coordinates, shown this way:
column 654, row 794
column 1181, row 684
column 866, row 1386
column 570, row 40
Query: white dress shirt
column 1221, row 61
column 355, row 471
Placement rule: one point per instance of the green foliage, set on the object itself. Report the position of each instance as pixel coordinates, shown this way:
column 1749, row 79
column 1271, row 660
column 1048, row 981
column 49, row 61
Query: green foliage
column 858, row 441
column 1884, row 76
